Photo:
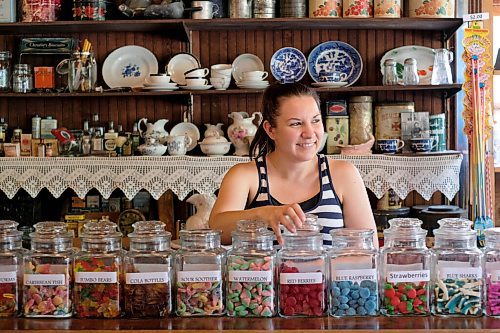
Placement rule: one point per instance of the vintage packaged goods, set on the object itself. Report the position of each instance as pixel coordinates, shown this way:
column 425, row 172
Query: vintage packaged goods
column 47, row 275
column 148, row 272
column 437, row 128
column 328, row 8
column 336, row 108
column 414, row 125
column 337, row 128
column 250, row 271
column 457, row 279
column 44, row 77
column 432, row 8
column 10, row 268
column 360, row 119
column 387, row 8
column 388, row 119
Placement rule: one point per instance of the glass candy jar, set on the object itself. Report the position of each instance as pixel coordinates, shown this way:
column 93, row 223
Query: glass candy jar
column 302, row 272
column 404, row 263
column 457, row 276
column 148, row 271
column 97, row 271
column 198, row 269
column 47, row 272
column 492, row 271
column 10, row 268
column 250, row 271
column 353, row 263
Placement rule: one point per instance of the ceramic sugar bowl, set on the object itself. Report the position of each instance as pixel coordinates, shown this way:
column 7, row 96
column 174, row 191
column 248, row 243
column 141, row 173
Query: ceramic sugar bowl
column 215, row 145
column 152, row 148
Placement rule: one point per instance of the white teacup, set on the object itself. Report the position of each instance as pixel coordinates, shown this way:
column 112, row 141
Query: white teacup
column 220, row 83
column 197, row 72
column 178, row 145
column 221, row 70
column 158, row 78
column 196, row 82
column 254, row 75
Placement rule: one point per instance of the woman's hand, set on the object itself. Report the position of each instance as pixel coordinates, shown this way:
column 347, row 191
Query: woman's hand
column 290, row 216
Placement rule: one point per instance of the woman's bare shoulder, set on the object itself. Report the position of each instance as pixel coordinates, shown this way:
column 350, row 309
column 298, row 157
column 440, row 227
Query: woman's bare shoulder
column 341, row 167
column 241, row 170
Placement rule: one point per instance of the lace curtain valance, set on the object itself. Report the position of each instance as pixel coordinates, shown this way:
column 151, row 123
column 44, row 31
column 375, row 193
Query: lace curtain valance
column 183, row 174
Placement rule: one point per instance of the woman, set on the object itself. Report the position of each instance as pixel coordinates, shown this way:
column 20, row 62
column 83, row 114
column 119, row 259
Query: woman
column 288, row 178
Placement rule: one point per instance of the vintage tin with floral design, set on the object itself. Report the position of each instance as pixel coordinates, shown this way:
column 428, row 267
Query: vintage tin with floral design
column 325, row 8
column 358, row 8
column 337, row 128
column 387, row 8
column 432, row 8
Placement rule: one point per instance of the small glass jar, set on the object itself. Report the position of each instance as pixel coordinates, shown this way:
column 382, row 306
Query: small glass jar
column 390, row 73
column 5, row 57
column 148, row 271
column 405, row 264
column 250, row 271
column 353, row 263
column 492, row 271
column 198, row 274
column 47, row 272
column 22, row 79
column 97, row 271
column 302, row 272
column 457, row 276
column 410, row 72
column 10, row 268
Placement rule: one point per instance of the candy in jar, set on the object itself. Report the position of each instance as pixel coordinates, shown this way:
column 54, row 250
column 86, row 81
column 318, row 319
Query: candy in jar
column 492, row 271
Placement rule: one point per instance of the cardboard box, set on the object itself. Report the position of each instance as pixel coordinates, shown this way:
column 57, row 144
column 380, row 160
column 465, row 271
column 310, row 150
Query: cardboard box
column 77, row 203
column 93, row 202
column 44, row 77
column 25, row 144
column 114, row 204
column 12, row 149
column 35, row 142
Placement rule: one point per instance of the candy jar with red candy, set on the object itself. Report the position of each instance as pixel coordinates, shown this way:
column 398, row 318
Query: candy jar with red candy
column 97, row 269
column 457, row 270
column 148, row 271
column 405, row 269
column 353, row 283
column 492, row 271
column 198, row 268
column 10, row 268
column 47, row 272
column 250, row 271
column 302, row 272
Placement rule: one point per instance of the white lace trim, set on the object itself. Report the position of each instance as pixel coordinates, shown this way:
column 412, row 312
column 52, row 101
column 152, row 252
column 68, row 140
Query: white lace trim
column 183, row 174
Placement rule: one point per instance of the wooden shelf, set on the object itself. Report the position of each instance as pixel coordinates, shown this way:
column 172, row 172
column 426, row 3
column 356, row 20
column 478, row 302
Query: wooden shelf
column 448, row 89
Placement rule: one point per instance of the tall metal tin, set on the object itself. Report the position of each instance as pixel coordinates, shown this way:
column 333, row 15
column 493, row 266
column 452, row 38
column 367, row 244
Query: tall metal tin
column 437, row 127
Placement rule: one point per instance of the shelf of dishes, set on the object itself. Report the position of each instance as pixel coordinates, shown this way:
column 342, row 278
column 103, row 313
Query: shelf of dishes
column 447, row 89
column 173, row 27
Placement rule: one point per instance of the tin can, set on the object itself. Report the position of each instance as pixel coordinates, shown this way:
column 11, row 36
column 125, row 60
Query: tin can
column 437, row 127
column 338, row 133
column 431, row 9
column 358, row 8
column 387, row 8
column 325, row 8
column 293, row 8
column 389, row 201
column 388, row 119
column 240, row 8
column 264, row 8
column 360, row 121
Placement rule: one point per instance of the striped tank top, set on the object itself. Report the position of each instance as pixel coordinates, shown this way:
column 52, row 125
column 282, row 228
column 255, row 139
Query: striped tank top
column 325, row 204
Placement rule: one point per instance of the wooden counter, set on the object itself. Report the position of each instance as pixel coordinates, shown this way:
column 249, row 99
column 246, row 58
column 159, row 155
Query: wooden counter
column 228, row 325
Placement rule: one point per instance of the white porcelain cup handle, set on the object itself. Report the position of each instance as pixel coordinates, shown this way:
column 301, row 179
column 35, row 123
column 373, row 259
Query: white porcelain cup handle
column 187, row 141
column 401, row 144
column 205, row 71
column 206, row 82
column 265, row 75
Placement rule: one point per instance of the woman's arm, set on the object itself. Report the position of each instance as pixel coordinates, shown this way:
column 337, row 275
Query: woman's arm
column 233, row 196
column 352, row 193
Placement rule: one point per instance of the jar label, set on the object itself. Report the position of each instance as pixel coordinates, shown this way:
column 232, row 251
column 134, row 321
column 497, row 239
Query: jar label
column 95, row 277
column 409, row 276
column 199, row 276
column 146, row 278
column 495, row 276
column 250, row 276
column 455, row 273
column 44, row 279
column 354, row 275
column 8, row 277
column 301, row 278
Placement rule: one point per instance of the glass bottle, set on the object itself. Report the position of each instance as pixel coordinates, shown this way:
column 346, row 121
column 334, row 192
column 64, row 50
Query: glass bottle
column 492, row 271
column 302, row 272
column 457, row 275
column 250, row 271
column 353, row 263
column 410, row 73
column 97, row 271
column 390, row 73
column 198, row 273
column 5, row 57
column 148, row 271
column 405, row 274
column 47, row 272
column 22, row 79
column 10, row 268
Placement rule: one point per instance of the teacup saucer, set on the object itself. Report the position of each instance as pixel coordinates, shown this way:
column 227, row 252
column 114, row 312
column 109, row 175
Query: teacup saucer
column 193, row 87
column 329, row 84
column 160, row 85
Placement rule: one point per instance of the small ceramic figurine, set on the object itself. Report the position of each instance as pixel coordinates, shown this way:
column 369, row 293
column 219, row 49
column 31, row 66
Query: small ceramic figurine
column 203, row 204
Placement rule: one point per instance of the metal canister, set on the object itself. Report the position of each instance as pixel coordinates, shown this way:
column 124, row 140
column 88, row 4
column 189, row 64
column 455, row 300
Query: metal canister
column 388, row 119
column 293, row 8
column 437, row 127
column 240, row 8
column 360, row 119
column 325, row 8
column 387, row 8
column 337, row 128
column 264, row 8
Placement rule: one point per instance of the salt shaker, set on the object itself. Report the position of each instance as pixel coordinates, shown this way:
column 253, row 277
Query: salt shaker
column 390, row 73
column 410, row 74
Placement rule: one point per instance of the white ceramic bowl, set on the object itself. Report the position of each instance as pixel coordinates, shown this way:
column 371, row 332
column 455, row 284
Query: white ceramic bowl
column 158, row 78
column 215, row 149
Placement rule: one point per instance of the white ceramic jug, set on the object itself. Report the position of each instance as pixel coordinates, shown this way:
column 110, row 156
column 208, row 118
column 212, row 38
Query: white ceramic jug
column 241, row 128
column 156, row 130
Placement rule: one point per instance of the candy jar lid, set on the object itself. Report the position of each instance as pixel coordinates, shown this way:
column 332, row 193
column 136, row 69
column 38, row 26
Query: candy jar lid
column 405, row 228
column 10, row 237
column 352, row 239
column 101, row 236
column 307, row 236
column 251, row 233
column 492, row 237
column 51, row 235
column 149, row 235
column 200, row 239
column 455, row 233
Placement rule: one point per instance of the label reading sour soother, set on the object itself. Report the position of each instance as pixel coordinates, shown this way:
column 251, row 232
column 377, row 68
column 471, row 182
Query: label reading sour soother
column 199, row 276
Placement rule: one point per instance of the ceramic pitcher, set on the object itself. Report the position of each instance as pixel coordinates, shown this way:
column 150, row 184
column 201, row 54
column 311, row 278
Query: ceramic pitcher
column 153, row 130
column 241, row 128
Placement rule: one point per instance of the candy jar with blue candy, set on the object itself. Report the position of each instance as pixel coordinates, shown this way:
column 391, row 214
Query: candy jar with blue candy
column 353, row 261
column 457, row 275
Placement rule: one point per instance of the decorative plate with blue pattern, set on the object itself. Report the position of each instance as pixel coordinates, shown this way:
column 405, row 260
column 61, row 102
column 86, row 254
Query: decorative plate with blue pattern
column 288, row 65
column 335, row 56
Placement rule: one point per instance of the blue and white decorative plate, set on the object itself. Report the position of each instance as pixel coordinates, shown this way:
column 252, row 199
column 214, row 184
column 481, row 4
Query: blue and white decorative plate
column 288, row 65
column 335, row 56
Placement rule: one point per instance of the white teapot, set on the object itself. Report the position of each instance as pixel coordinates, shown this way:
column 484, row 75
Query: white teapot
column 156, row 130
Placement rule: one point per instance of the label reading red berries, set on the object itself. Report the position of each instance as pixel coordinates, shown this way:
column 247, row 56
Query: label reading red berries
column 301, row 278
